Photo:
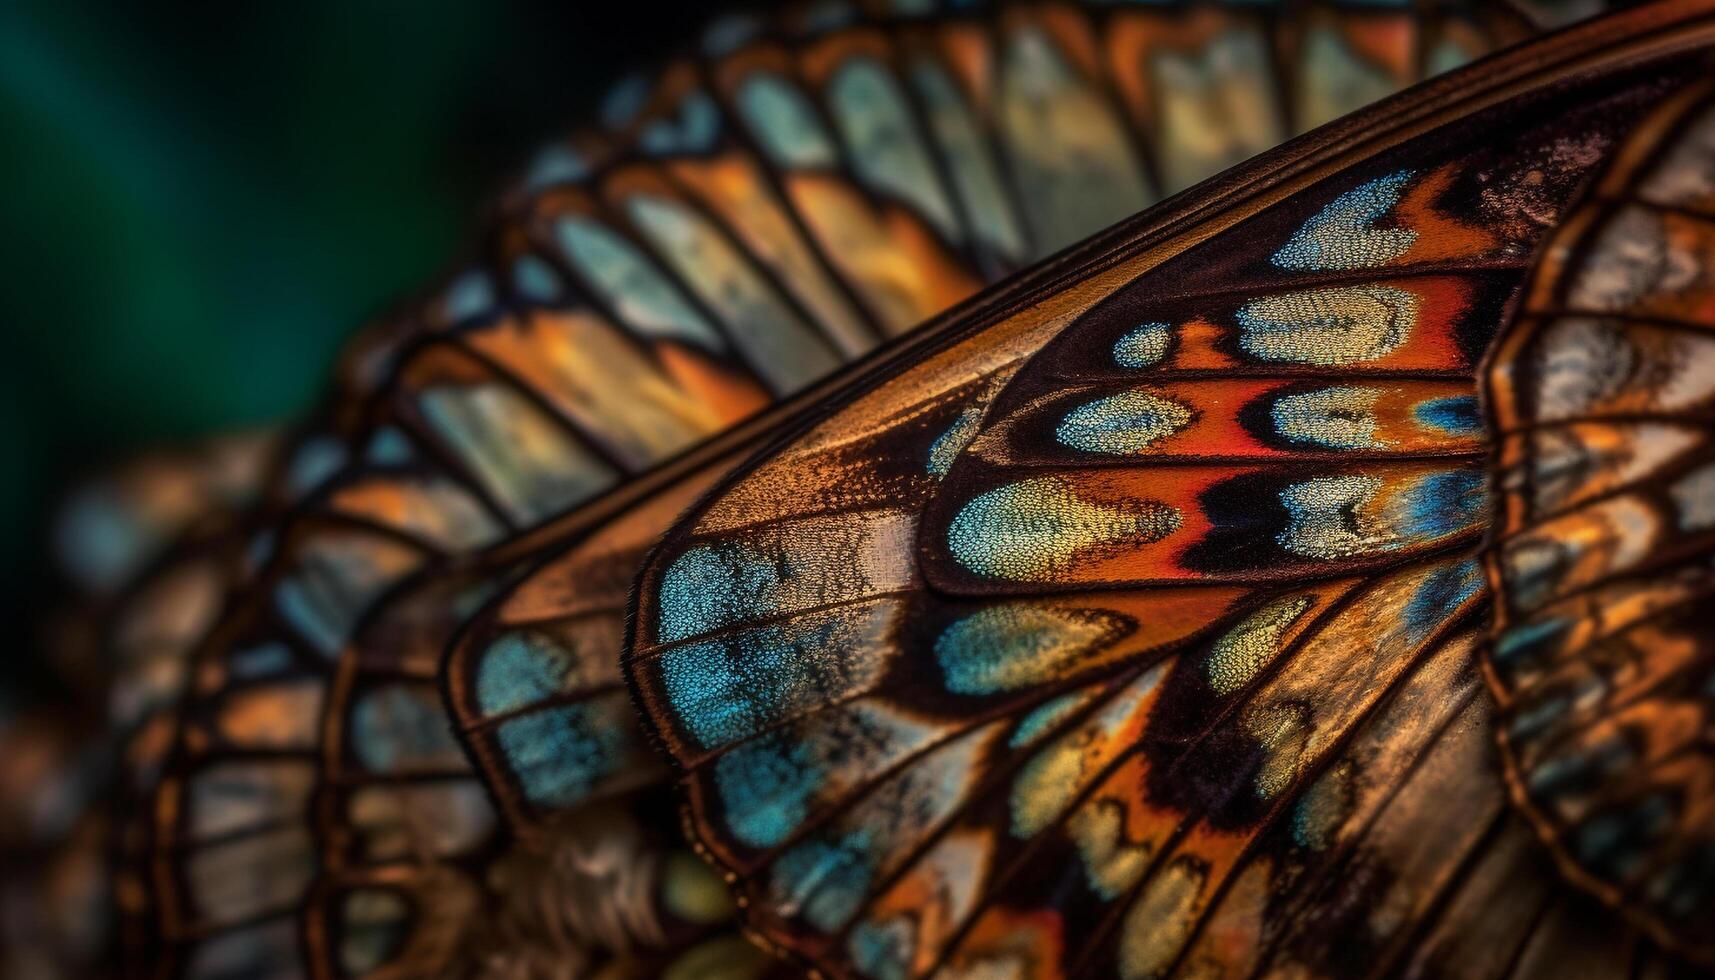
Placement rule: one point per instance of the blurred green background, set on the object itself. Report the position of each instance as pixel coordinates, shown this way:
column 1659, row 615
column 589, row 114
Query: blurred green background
column 200, row 201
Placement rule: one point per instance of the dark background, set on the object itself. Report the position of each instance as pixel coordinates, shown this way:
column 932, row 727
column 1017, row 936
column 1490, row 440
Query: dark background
column 198, row 202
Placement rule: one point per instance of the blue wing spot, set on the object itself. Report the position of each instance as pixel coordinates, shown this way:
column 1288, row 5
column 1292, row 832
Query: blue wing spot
column 519, row 670
column 827, row 881
column 1442, row 503
column 1440, row 595
column 561, row 754
column 729, row 689
column 766, row 786
column 712, row 586
column 1455, row 416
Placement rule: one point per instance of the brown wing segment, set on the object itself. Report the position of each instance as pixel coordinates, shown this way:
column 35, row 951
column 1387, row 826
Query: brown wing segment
column 1602, row 393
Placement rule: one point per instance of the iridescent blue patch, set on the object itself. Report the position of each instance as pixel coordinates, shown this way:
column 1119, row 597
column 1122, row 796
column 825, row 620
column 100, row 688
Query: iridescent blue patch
column 828, row 15
column 1341, row 417
column 312, row 463
column 766, row 786
column 395, row 728
column 634, row 288
column 373, row 925
column 882, row 952
column 1442, row 594
column 624, row 101
column 715, row 585
column 1035, row 527
column 1533, row 722
column 260, row 661
column 388, row 447
column 1143, row 345
column 1122, row 424
column 99, row 541
column 517, row 670
column 827, row 881
column 1442, row 503
column 470, row 295
column 556, row 165
column 949, row 444
column 694, row 130
column 1577, row 766
column 322, row 626
column 1457, row 415
column 888, row 152
column 561, row 754
column 969, row 162
column 1622, row 841
column 1044, row 717
column 728, row 33
column 1015, row 646
column 729, row 689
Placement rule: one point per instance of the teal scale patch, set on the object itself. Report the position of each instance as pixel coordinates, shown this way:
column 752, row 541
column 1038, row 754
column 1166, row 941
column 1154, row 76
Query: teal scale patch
column 1034, row 528
column 973, row 171
column 272, row 657
column 694, row 130
column 712, row 586
column 730, row 689
column 1456, row 416
column 635, row 289
column 396, row 728
column 518, row 670
column 389, row 447
column 1514, row 644
column 1335, row 418
column 826, row 881
column 1443, row 503
column 1440, row 595
column 535, row 280
column 555, row 165
column 1123, row 424
column 949, row 444
column 1015, row 646
column 1343, row 234
column 313, row 463
column 1328, row 327
column 561, row 755
column 1044, row 717
column 1143, row 345
column 468, row 296
column 887, row 151
column 882, row 951
column 766, row 786
column 785, row 123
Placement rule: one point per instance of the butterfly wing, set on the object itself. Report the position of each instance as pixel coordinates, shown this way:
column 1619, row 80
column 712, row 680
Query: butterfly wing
column 1063, row 641
column 646, row 287
column 780, row 99
column 528, row 680
column 144, row 549
column 1603, row 660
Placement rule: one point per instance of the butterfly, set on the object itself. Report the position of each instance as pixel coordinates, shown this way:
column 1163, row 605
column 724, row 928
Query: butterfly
column 505, row 484
column 1135, row 621
column 615, row 318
